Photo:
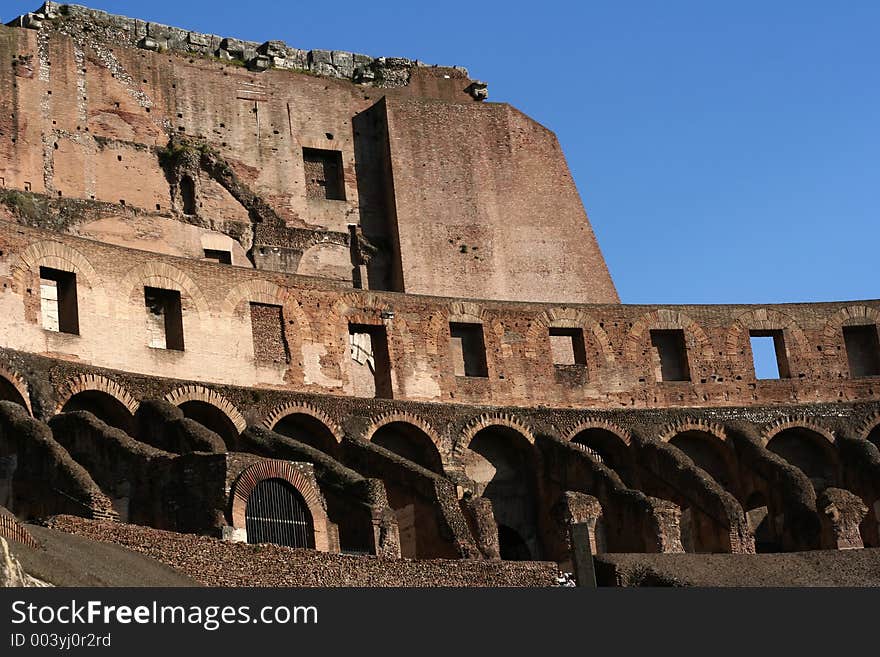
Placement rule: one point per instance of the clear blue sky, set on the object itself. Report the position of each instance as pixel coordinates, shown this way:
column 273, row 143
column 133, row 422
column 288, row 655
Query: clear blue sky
column 725, row 152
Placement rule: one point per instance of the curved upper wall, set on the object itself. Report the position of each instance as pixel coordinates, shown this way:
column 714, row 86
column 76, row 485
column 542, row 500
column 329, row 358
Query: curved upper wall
column 383, row 174
column 239, row 326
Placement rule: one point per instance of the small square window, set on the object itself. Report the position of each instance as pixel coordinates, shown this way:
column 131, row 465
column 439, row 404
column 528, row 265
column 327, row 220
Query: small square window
column 58, row 303
column 567, row 346
column 219, row 256
column 468, row 349
column 672, row 353
column 769, row 355
column 862, row 350
column 164, row 318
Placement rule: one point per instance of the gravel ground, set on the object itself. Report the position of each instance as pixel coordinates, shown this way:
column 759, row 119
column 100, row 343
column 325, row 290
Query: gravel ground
column 816, row 568
column 67, row 560
column 213, row 562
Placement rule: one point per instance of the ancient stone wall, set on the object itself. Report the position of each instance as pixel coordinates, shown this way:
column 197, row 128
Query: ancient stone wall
column 289, row 169
column 622, row 366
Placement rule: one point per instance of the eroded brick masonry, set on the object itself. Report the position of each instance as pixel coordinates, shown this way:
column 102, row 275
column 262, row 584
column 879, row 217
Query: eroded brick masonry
column 236, row 271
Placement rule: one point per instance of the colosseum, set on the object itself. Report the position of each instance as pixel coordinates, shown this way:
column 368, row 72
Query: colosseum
column 343, row 304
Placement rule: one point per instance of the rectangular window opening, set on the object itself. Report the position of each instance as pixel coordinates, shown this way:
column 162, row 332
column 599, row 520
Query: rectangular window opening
column 58, row 304
column 164, row 318
column 267, row 328
column 468, row 349
column 219, row 256
column 672, row 352
column 567, row 346
column 324, row 178
column 371, row 371
column 862, row 350
column 769, row 355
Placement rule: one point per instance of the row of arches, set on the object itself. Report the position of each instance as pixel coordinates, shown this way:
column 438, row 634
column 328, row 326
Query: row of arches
column 497, row 455
column 804, row 445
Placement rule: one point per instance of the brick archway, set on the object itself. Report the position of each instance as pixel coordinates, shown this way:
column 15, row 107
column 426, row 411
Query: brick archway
column 17, row 383
column 203, row 394
column 86, row 382
column 284, row 470
column 165, row 276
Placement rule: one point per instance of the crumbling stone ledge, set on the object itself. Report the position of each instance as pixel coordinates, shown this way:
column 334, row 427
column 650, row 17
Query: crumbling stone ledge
column 214, row 562
column 382, row 72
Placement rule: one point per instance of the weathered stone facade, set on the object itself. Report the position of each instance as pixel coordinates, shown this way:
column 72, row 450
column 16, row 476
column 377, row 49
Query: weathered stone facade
column 386, row 296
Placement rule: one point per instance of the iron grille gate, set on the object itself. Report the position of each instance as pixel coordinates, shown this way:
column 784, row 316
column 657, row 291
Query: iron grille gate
column 276, row 513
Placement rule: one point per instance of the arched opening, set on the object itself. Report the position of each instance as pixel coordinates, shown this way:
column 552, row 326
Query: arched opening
column 277, row 513
column 410, row 442
column 810, row 452
column 8, row 392
column 308, row 430
column 707, row 452
column 610, row 449
column 188, row 195
column 103, row 406
column 501, row 463
column 761, row 523
column 211, row 417
column 874, row 436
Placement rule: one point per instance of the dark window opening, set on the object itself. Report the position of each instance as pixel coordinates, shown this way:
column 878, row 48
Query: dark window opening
column 58, row 303
column 218, row 256
column 188, row 195
column 164, row 318
column 672, row 352
column 567, row 346
column 862, row 350
column 267, row 328
column 277, row 513
column 371, row 373
column 468, row 349
column 769, row 355
column 323, row 170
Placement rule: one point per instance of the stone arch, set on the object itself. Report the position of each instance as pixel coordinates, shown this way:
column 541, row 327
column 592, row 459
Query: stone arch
column 736, row 342
column 49, row 253
column 607, row 441
column 254, row 290
column 86, row 382
column 274, row 469
column 14, row 388
column 196, row 393
column 308, row 425
column 575, row 318
column 501, row 462
column 426, row 453
column 832, row 334
column 794, row 422
column 485, row 420
column 869, row 429
column 105, row 399
column 162, row 275
column 807, row 446
column 597, row 423
column 853, row 315
column 356, row 308
column 706, row 444
column 279, row 412
column 638, row 337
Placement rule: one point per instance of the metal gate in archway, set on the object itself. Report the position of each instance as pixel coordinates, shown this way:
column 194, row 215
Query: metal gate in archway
column 276, row 513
